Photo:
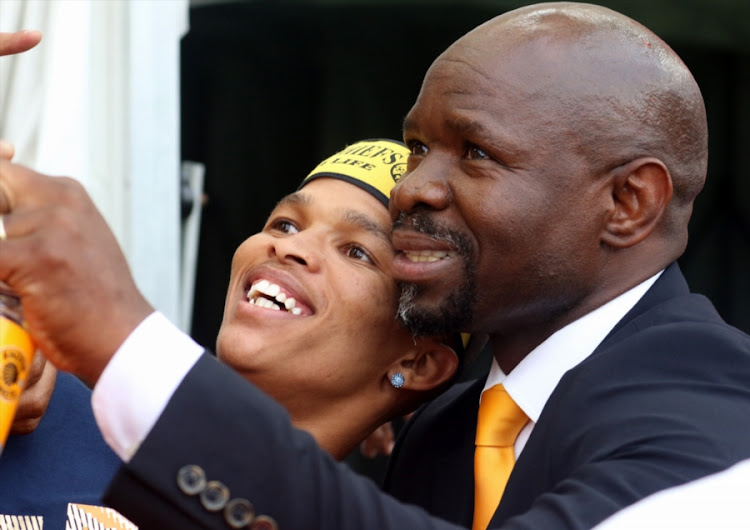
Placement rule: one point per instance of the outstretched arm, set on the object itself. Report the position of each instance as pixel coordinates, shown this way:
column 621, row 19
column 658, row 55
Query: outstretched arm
column 240, row 437
column 79, row 298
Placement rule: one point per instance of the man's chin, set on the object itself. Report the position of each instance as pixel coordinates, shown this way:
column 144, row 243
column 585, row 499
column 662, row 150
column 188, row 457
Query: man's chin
column 423, row 318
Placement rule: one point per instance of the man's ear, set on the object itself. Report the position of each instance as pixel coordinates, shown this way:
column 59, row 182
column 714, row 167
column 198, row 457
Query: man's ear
column 429, row 364
column 641, row 191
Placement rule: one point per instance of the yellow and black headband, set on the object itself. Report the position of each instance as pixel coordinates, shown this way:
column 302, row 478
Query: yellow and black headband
column 373, row 165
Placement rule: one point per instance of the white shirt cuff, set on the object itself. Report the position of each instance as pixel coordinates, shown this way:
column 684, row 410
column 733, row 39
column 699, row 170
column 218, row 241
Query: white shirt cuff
column 139, row 381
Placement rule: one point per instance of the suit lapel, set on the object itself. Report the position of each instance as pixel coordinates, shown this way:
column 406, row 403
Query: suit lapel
column 669, row 285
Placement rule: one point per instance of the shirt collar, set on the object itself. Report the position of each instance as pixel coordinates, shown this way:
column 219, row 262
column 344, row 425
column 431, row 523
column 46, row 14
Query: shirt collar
column 531, row 383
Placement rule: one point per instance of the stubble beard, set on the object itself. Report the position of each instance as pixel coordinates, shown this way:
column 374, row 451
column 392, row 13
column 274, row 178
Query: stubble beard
column 456, row 310
column 454, row 313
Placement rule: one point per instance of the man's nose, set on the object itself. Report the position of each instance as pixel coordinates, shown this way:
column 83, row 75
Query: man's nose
column 303, row 248
column 424, row 186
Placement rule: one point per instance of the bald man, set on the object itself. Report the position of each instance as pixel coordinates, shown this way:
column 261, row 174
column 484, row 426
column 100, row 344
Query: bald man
column 556, row 152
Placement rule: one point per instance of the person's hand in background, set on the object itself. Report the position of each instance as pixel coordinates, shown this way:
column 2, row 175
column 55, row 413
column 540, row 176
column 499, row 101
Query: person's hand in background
column 35, row 397
column 6, row 150
column 18, row 42
column 379, row 442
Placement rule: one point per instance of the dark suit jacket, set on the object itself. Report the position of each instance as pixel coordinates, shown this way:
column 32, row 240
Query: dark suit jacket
column 663, row 400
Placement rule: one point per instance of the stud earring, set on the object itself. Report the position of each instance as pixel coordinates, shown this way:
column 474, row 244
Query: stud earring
column 397, row 380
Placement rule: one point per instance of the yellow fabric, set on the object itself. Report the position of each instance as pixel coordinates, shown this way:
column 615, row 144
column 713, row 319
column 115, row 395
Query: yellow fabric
column 374, row 165
column 498, row 424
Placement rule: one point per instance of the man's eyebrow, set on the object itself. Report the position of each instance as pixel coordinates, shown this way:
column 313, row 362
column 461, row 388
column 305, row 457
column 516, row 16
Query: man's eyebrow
column 365, row 223
column 463, row 126
column 296, row 199
column 409, row 124
column 353, row 217
column 496, row 137
column 467, row 127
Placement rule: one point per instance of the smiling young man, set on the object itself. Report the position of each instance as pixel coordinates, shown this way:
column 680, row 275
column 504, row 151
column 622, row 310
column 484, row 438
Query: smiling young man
column 555, row 155
column 311, row 303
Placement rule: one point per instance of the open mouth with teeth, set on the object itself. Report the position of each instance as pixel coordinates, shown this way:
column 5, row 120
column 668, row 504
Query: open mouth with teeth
column 269, row 295
column 421, row 256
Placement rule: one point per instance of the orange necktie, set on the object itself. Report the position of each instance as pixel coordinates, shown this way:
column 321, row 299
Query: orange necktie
column 498, row 424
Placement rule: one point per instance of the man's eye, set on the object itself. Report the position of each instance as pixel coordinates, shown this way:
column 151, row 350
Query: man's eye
column 417, row 148
column 285, row 226
column 358, row 253
column 475, row 153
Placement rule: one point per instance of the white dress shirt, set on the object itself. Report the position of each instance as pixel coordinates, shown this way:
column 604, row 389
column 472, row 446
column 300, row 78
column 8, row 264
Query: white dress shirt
column 141, row 377
column 531, row 383
column 139, row 381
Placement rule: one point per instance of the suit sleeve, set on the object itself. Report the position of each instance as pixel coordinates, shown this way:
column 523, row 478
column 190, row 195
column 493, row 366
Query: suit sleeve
column 218, row 421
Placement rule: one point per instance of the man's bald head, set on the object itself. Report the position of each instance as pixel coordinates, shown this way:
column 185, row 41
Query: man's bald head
column 609, row 87
column 557, row 149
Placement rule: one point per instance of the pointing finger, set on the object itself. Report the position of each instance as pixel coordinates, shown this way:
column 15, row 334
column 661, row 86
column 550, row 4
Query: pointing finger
column 6, row 150
column 19, row 41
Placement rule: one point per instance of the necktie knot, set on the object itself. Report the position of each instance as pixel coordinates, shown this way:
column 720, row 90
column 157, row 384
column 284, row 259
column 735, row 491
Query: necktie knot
column 500, row 419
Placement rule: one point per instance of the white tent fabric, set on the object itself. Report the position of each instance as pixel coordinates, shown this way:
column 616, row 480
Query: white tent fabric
column 98, row 100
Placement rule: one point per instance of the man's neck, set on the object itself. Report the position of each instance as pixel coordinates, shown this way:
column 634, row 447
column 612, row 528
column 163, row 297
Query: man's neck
column 511, row 349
